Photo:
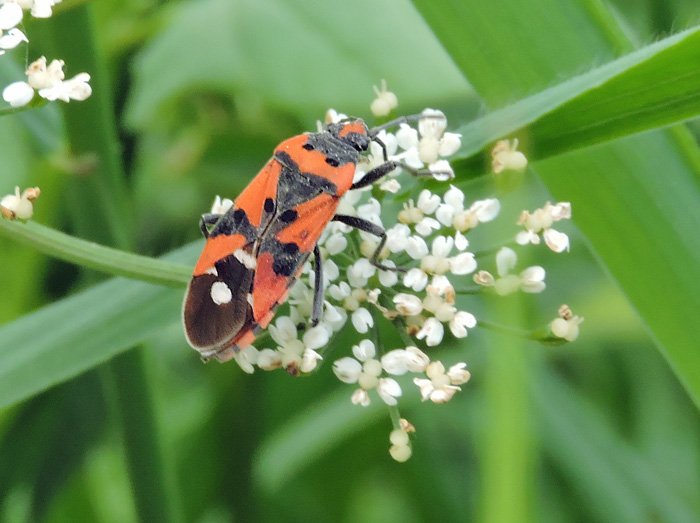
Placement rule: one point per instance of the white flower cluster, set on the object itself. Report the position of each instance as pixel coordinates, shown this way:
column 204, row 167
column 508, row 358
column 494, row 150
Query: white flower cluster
column 372, row 373
column 47, row 79
column 411, row 283
column 529, row 280
column 540, row 222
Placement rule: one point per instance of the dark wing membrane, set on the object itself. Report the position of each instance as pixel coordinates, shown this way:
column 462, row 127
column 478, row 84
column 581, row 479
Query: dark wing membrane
column 216, row 305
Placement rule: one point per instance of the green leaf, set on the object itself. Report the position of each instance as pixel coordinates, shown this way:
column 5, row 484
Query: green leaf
column 621, row 482
column 77, row 333
column 340, row 63
column 653, row 87
column 93, row 256
column 637, row 201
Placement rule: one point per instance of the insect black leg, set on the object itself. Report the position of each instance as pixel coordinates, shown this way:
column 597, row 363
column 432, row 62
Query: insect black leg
column 382, row 170
column 317, row 309
column 208, row 219
column 367, row 226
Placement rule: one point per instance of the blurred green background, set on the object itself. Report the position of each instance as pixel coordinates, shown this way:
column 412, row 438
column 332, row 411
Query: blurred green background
column 189, row 100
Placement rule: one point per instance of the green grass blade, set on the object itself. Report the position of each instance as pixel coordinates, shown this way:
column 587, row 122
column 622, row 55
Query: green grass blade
column 77, row 333
column 637, row 201
column 649, row 88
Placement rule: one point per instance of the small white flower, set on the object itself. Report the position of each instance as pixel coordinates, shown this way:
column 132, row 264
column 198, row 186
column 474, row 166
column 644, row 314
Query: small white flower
column 430, row 141
column 507, row 157
column 77, row 88
column 10, row 15
column 400, row 449
column 269, row 359
column 540, row 222
column 484, row 278
column 247, row 358
column 12, row 39
column 360, row 397
column 43, row 76
column 433, row 332
column 408, row 304
column 415, row 279
column 440, row 387
column 48, row 80
column 566, row 326
column 530, row 280
column 16, row 206
column 18, row 94
column 362, row 320
column 385, row 102
column 391, row 185
column 416, row 247
column 460, row 322
column 309, row 360
column 365, row 370
column 38, row 8
column 452, row 213
column 347, row 369
column 401, row 361
column 360, row 272
column 389, row 390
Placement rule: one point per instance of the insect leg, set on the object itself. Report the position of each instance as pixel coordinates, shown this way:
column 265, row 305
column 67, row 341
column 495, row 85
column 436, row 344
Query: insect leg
column 367, row 226
column 373, row 175
column 317, row 309
column 208, row 219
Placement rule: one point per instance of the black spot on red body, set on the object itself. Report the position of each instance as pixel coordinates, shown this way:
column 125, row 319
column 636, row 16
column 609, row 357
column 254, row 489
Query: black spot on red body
column 289, row 216
column 235, row 221
column 290, row 248
column 269, row 205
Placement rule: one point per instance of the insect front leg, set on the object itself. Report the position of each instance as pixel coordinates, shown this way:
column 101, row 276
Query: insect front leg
column 378, row 172
column 379, row 232
column 208, row 219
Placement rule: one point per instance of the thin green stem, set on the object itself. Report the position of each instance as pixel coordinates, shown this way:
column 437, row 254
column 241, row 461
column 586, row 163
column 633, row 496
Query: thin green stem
column 94, row 256
column 395, row 416
column 503, row 329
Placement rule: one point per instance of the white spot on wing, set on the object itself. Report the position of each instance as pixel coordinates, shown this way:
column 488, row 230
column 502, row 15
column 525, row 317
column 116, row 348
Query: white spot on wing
column 248, row 260
column 220, row 293
column 250, row 299
column 211, row 270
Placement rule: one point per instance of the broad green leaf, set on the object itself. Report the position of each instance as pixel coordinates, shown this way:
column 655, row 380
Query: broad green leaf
column 623, row 484
column 77, row 333
column 655, row 86
column 339, row 62
column 637, row 201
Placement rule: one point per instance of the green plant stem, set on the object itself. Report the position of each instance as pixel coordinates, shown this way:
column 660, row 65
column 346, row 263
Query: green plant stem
column 146, row 459
column 100, row 207
column 503, row 329
column 94, row 256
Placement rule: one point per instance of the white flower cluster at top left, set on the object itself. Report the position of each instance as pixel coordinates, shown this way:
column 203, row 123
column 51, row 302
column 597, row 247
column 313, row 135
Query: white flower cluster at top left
column 48, row 79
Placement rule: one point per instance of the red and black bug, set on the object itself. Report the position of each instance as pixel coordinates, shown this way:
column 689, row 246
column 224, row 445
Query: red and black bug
column 256, row 250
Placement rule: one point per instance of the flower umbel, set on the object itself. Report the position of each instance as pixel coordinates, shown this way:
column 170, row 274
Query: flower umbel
column 48, row 80
column 408, row 274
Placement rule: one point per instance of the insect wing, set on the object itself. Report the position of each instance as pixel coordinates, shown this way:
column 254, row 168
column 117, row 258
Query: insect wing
column 291, row 239
column 217, row 311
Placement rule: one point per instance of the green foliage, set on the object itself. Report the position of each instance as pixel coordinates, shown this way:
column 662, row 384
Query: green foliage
column 190, row 98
